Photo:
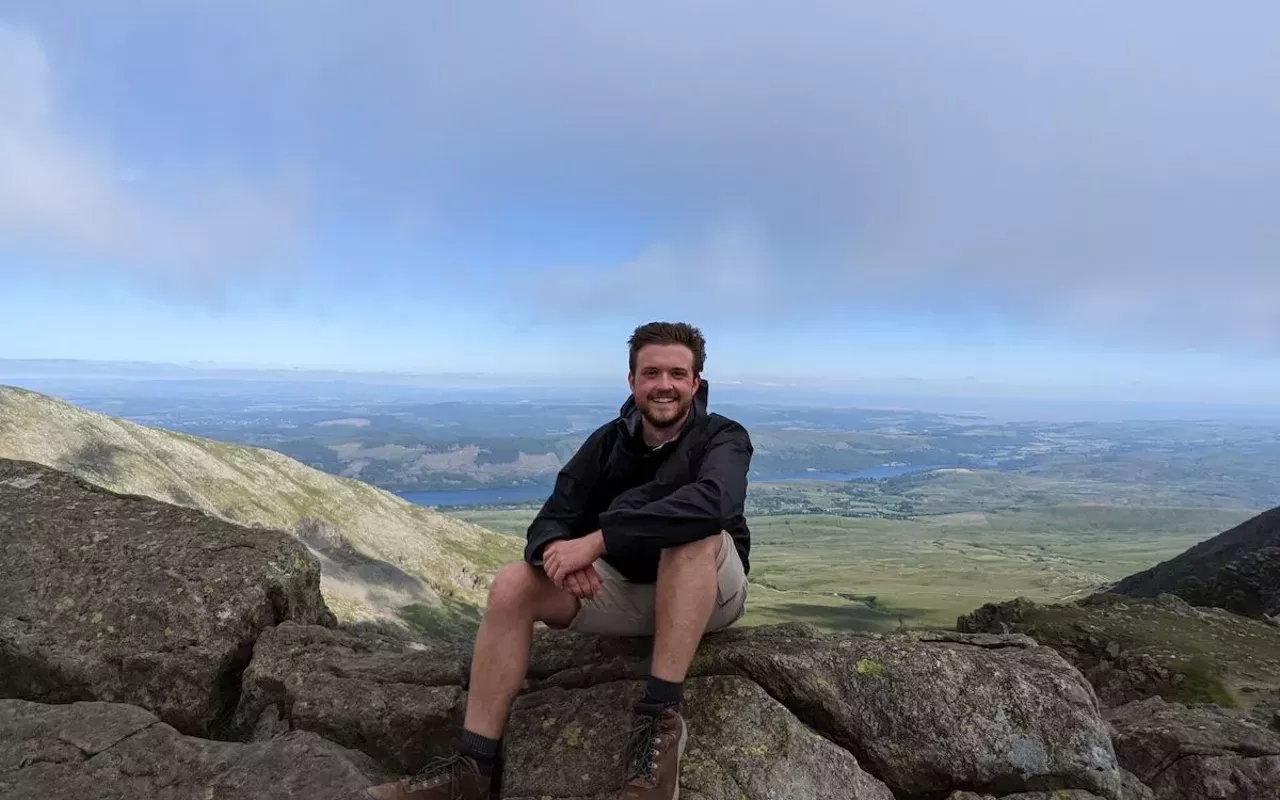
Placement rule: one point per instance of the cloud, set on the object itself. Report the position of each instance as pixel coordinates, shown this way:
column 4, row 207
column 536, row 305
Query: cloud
column 1105, row 170
column 74, row 202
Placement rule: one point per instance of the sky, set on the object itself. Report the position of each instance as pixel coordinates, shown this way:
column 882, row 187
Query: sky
column 1081, row 195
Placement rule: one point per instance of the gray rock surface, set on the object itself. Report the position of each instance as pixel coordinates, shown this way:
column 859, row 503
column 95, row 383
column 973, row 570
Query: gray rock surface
column 743, row 743
column 1196, row 752
column 1058, row 794
column 116, row 598
column 399, row 705
column 109, row 751
column 924, row 714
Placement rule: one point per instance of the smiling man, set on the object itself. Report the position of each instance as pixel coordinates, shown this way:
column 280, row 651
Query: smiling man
column 643, row 535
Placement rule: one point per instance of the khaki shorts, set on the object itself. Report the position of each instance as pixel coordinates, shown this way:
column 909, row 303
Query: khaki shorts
column 623, row 608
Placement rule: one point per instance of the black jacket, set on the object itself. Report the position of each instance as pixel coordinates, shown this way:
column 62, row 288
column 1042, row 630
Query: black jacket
column 645, row 499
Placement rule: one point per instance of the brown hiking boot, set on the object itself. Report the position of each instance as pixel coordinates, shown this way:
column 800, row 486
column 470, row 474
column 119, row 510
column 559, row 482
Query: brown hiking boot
column 658, row 737
column 454, row 777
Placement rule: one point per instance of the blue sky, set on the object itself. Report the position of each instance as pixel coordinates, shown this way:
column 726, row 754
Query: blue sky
column 1076, row 195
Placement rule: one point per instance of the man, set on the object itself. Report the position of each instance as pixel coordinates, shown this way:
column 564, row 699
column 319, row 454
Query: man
column 643, row 535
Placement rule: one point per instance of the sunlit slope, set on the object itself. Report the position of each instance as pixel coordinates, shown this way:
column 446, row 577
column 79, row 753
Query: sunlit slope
column 384, row 559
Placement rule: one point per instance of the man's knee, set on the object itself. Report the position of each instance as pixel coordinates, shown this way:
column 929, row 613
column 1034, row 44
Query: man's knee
column 514, row 587
column 702, row 550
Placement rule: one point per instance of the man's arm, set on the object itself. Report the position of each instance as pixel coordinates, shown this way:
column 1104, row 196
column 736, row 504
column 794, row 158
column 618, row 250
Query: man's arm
column 562, row 510
column 695, row 511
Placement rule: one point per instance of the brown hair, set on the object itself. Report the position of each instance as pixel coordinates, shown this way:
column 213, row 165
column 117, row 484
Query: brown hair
column 669, row 333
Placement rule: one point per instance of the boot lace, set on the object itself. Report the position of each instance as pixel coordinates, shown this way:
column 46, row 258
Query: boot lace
column 642, row 747
column 454, row 765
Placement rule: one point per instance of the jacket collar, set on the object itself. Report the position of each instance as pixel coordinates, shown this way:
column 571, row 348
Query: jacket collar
column 629, row 414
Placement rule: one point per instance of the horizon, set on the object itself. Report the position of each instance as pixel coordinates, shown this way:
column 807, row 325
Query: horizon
column 70, row 377
column 837, row 194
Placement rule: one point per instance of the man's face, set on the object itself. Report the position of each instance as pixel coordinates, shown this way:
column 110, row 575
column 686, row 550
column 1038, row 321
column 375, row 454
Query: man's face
column 663, row 383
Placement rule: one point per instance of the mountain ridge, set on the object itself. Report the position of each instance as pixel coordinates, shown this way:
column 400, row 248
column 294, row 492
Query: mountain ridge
column 387, row 563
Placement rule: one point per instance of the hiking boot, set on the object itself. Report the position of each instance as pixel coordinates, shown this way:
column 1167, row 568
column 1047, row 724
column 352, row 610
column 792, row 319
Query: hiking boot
column 658, row 738
column 453, row 777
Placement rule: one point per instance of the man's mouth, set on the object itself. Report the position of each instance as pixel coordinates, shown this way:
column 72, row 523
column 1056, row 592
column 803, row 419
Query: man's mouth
column 662, row 400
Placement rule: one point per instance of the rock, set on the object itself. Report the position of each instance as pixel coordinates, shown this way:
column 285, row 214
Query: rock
column 924, row 714
column 1132, row 788
column 1058, row 794
column 743, row 743
column 1196, row 752
column 1133, row 648
column 1237, row 570
column 111, row 751
column 930, row 716
column 399, row 705
column 116, row 598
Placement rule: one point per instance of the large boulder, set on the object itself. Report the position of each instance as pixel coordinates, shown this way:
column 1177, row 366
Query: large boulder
column 111, row 751
column 1197, row 752
column 924, row 713
column 399, row 704
column 124, row 599
column 1238, row 570
column 570, row 744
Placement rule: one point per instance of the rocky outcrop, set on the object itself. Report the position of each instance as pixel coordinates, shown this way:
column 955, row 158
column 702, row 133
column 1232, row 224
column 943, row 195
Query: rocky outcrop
column 1134, row 648
column 108, row 750
column 159, row 652
column 1197, row 753
column 925, row 714
column 124, row 599
column 1237, row 570
column 1142, row 656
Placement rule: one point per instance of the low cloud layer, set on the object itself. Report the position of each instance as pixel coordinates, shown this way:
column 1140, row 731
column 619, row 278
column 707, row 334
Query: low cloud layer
column 1105, row 170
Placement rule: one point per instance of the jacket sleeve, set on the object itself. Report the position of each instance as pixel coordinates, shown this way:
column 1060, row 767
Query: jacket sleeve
column 563, row 511
column 691, row 512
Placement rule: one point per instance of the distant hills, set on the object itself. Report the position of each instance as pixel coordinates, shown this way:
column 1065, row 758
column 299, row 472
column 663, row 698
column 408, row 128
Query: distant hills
column 385, row 562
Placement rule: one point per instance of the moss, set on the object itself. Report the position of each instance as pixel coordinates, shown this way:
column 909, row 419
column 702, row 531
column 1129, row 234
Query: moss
column 1203, row 683
column 573, row 736
column 699, row 774
column 868, row 668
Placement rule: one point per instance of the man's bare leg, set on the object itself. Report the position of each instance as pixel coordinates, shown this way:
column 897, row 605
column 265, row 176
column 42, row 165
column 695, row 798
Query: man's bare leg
column 684, row 598
column 520, row 596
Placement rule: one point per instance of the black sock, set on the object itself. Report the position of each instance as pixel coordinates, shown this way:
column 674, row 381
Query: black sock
column 482, row 747
column 663, row 692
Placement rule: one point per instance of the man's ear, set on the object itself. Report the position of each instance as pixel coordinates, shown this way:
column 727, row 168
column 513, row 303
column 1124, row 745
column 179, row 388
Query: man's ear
column 631, row 381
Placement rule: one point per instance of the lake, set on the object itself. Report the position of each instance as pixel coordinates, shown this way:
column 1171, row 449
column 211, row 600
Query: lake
column 511, row 495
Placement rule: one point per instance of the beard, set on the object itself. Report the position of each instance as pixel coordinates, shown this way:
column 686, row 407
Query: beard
column 665, row 415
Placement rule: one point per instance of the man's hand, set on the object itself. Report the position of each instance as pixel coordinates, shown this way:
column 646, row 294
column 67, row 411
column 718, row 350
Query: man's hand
column 583, row 583
column 566, row 557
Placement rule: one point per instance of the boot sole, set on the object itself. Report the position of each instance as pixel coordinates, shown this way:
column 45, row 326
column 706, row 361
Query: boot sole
column 684, row 739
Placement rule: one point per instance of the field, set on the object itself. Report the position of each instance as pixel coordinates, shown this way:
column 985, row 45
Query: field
column 877, row 574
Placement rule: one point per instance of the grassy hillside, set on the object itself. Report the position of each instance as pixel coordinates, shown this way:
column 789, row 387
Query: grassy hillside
column 876, row 574
column 385, row 561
